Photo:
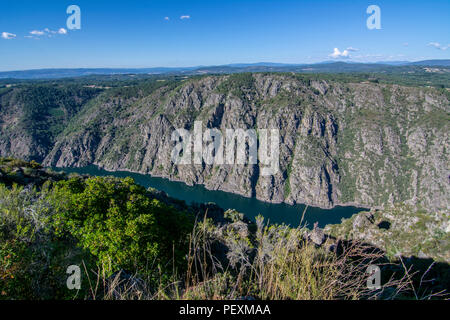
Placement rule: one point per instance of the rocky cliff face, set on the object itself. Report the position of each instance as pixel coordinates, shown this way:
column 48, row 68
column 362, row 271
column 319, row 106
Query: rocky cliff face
column 400, row 230
column 340, row 143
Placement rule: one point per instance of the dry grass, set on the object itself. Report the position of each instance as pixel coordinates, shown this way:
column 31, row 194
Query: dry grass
column 287, row 266
column 281, row 264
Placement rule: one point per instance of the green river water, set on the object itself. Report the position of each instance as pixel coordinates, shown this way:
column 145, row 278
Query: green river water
column 250, row 207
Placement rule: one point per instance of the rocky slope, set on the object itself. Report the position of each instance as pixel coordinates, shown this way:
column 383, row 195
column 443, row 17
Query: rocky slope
column 361, row 143
column 400, row 230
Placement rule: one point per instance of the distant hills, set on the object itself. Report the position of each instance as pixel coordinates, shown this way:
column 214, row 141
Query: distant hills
column 82, row 72
column 432, row 63
column 323, row 67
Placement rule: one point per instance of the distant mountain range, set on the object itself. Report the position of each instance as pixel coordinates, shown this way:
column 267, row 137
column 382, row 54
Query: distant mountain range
column 323, row 67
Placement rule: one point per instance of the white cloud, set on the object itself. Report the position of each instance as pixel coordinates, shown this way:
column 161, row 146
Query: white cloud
column 8, row 36
column 351, row 49
column 439, row 46
column 37, row 33
column 46, row 32
column 166, row 18
column 185, row 17
column 338, row 54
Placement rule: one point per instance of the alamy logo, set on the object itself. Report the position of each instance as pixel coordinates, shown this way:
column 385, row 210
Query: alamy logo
column 74, row 280
column 374, row 279
column 374, row 21
column 74, row 20
column 239, row 147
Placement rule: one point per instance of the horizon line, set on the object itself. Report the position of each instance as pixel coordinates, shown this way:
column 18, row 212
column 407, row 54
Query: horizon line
column 224, row 65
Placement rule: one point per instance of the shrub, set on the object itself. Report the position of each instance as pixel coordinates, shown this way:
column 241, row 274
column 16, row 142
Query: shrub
column 120, row 224
column 33, row 262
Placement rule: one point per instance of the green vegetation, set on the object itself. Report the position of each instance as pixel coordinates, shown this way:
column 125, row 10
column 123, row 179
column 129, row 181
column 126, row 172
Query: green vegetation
column 106, row 224
column 409, row 76
column 119, row 223
column 238, row 85
column 33, row 260
column 47, row 109
column 134, row 243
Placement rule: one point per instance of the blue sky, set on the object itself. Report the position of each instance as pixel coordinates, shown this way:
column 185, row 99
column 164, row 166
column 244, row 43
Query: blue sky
column 136, row 33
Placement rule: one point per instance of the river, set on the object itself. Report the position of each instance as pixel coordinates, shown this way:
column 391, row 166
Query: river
column 250, row 207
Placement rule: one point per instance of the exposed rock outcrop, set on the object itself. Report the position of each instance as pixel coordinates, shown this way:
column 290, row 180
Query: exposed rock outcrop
column 365, row 144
